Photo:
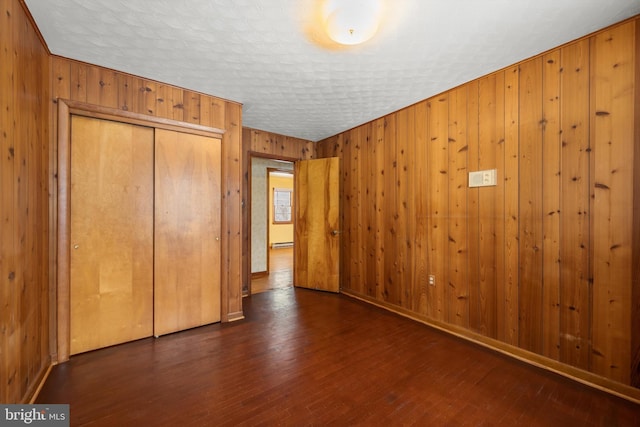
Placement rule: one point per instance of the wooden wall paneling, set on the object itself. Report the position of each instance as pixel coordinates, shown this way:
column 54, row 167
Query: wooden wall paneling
column 147, row 99
column 308, row 151
column 546, row 213
column 405, row 149
column 612, row 54
column 10, row 356
column 285, row 145
column 364, row 227
column 301, row 230
column 473, row 206
column 177, row 104
column 369, row 206
column 136, row 101
column 34, row 80
column 275, row 145
column 347, row 253
column 102, row 87
column 551, row 182
column 232, row 155
column 272, row 143
column 109, row 87
column 355, row 215
column 327, row 147
column 206, row 116
column 62, row 79
column 438, row 188
column 294, row 147
column 391, row 291
column 491, row 226
column 217, row 112
column 24, row 174
column 575, row 298
column 252, row 137
column 191, row 103
column 21, row 179
column 635, row 303
column 269, row 143
column 246, row 206
column 263, row 142
column 350, row 232
column 530, row 327
column 164, row 105
column 248, row 137
column 127, row 93
column 379, row 203
column 78, row 88
column 458, row 286
column 420, row 256
column 511, row 206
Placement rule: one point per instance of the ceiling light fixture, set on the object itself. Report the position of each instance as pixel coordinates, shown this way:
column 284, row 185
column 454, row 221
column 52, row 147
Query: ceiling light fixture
column 352, row 22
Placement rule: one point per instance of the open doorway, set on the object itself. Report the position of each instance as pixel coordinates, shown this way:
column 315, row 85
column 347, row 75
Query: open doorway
column 271, row 224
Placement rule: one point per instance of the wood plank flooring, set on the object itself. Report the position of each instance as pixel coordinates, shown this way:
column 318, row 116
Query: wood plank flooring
column 309, row 358
column 280, row 272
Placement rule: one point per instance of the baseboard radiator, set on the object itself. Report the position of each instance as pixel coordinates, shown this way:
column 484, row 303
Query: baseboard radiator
column 281, row 245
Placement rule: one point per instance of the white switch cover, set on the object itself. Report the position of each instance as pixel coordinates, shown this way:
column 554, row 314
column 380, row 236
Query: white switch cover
column 485, row 178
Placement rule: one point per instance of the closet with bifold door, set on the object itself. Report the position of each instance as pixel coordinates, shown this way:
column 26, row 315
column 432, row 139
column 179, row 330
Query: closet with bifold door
column 144, row 231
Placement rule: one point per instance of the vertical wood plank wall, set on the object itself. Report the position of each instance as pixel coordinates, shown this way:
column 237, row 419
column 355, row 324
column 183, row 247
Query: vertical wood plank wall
column 542, row 261
column 271, row 145
column 108, row 88
column 24, row 205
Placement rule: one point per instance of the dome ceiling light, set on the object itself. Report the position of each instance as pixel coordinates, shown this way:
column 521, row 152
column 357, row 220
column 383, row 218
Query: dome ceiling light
column 351, row 22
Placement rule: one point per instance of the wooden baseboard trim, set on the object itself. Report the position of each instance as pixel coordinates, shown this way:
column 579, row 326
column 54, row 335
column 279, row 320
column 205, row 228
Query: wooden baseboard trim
column 584, row 377
column 259, row 274
column 42, row 378
column 232, row 317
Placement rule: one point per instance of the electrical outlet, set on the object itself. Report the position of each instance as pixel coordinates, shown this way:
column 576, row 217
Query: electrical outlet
column 432, row 279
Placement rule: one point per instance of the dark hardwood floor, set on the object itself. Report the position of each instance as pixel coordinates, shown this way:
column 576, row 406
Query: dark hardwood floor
column 308, row 358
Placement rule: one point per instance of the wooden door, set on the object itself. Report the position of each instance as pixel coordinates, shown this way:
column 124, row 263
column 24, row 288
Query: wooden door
column 317, row 224
column 187, row 231
column 111, row 220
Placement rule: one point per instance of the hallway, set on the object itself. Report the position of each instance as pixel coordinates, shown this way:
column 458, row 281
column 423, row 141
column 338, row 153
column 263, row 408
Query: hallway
column 280, row 272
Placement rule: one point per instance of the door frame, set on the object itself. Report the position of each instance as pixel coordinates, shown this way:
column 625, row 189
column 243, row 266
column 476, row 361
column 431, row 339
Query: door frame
column 251, row 156
column 59, row 313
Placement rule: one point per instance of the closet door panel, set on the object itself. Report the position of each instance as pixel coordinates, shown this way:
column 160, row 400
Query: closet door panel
column 187, row 231
column 111, row 254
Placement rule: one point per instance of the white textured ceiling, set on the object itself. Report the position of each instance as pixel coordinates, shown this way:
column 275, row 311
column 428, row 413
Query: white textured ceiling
column 271, row 55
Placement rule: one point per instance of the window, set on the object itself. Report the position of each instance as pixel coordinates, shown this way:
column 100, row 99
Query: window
column 282, row 205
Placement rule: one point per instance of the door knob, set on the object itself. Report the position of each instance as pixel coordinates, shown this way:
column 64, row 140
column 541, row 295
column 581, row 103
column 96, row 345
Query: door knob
column 76, row 246
column 335, row 232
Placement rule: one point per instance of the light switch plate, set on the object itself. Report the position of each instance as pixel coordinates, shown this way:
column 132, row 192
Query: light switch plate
column 483, row 178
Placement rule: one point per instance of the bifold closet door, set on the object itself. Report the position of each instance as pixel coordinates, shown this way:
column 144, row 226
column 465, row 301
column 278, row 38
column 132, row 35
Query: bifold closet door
column 187, row 231
column 111, row 223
